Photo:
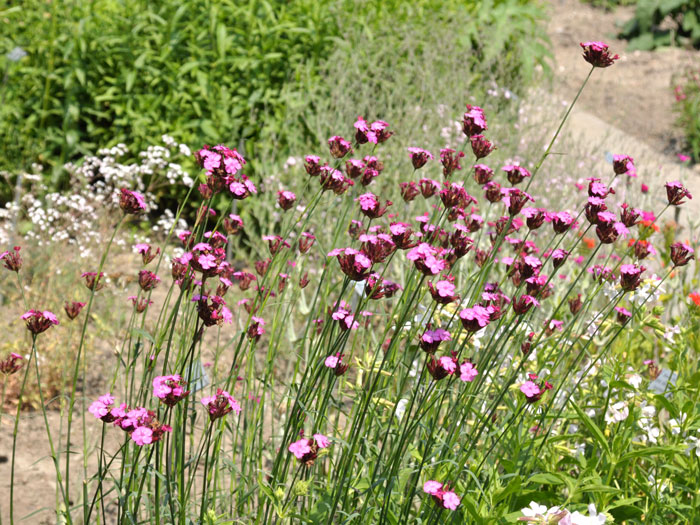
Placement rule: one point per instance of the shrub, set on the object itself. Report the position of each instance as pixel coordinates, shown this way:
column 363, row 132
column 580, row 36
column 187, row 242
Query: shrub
column 687, row 93
column 103, row 73
column 659, row 23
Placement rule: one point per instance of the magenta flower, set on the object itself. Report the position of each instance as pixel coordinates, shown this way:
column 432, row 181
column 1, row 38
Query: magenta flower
column 212, row 310
column 431, row 339
column 93, row 281
column 38, row 321
column 443, row 292
column 450, row 161
column 467, row 371
column 73, row 309
column 220, row 404
column 423, row 257
column 148, row 280
column 419, row 157
column 306, row 449
column 142, row 436
column 339, row 146
column 131, row 202
column 170, row 389
column 481, row 146
column 473, row 121
column 630, row 276
column 370, row 206
column 355, row 264
column 11, row 364
column 623, row 315
column 676, row 192
column 681, row 253
column 233, row 224
column 561, row 221
column 597, row 54
column 442, row 495
column 442, row 367
column 516, row 174
column 102, row 408
column 256, row 328
column 482, row 174
column 475, row 318
column 335, row 363
column 286, row 199
column 141, row 304
column 147, row 253
column 332, row 179
column 524, row 303
column 12, row 259
column 622, row 164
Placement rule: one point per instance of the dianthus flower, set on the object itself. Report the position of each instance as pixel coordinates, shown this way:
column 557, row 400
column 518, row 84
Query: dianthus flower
column 455, row 195
column 532, row 391
column 371, row 207
column 212, row 310
column 515, row 199
column 597, row 54
column 561, row 221
column 623, row 315
column 450, row 161
column 93, row 281
column 102, row 408
column 475, row 318
column 443, row 291
column 255, row 329
column 676, row 192
column 419, row 157
column 631, row 276
column 242, row 188
column 147, row 253
column 131, row 202
column 481, row 146
column 275, row 243
column 332, row 179
column 516, row 174
column 38, row 321
column 377, row 288
column 148, row 280
column 216, row 239
column 73, row 309
column 339, row 146
column 482, row 174
column 474, row 121
column 141, row 304
column 233, row 224
column 306, row 449
column 220, row 404
column 622, row 164
column 170, row 389
column 442, row 495
column 11, row 364
column 409, row 190
column 402, row 235
column 523, row 304
column 12, row 259
column 355, row 264
column 423, row 257
column 428, row 187
column 335, row 363
column 205, row 258
column 681, row 253
column 442, row 367
column 286, row 199
column 431, row 339
column 467, row 371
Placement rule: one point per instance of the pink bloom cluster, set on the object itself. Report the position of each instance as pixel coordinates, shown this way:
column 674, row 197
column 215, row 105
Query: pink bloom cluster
column 306, row 449
column 442, row 495
column 141, row 423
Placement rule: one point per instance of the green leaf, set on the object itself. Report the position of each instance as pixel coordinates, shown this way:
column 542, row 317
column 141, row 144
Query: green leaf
column 596, row 433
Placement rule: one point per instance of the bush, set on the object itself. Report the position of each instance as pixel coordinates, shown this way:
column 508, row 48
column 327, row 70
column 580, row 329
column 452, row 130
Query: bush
column 659, row 23
column 687, row 92
column 106, row 72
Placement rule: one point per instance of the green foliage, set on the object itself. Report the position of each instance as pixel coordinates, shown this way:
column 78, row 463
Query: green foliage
column 100, row 73
column 609, row 4
column 687, row 107
column 659, row 23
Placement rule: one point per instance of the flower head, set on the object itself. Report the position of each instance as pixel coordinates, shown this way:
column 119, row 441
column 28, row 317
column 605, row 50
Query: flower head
column 597, row 54
column 131, row 202
column 220, row 404
column 38, row 321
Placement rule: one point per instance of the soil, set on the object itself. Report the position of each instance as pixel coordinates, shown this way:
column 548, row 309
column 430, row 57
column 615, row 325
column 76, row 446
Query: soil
column 627, row 108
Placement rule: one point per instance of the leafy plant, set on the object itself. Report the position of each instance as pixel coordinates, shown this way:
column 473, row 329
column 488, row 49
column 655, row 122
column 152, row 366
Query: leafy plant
column 687, row 92
column 658, row 23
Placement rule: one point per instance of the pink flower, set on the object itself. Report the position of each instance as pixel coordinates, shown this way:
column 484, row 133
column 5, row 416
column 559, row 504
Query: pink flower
column 475, row 318
column 419, row 157
column 102, row 408
column 597, row 54
column 142, row 436
column 38, row 321
column 530, row 389
column 12, row 259
column 450, row 500
column 467, row 371
column 170, row 389
column 300, row 448
column 432, row 487
column 220, row 404
column 131, row 202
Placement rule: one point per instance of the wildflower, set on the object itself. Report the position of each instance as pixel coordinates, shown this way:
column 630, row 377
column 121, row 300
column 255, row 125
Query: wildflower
column 255, row 329
column 262, row 265
column 629, row 216
column 355, row 264
column 467, row 371
column 220, row 404
column 12, row 259
column 73, row 309
column 514, row 199
column 170, row 389
column 681, row 253
column 233, row 224
column 339, row 146
column 441, row 494
column 131, row 202
column 419, row 157
column 617, row 412
column 558, row 257
column 423, row 257
column 492, row 192
column 575, row 304
column 378, row 290
column 623, row 315
column 286, row 199
column 540, row 514
column 431, row 339
column 475, row 318
column 38, row 321
column 597, row 54
column 147, row 253
column 354, row 168
column 306, row 449
column 401, row 235
column 275, row 243
column 242, row 188
column 335, row 362
column 212, row 310
column 442, row 367
column 482, row 174
column 148, row 280
column 102, row 408
column 409, row 190
column 630, row 276
column 474, row 121
column 450, row 161
column 306, row 241
column 304, row 280
column 676, row 192
column 516, row 174
column 622, row 164
column 93, row 281
column 532, row 391
column 443, row 292
column 428, row 187
column 332, row 179
column 481, row 147
column 144, row 427
column 523, row 304
column 370, row 206
column 11, row 364
column 455, row 195
column 561, row 222
column 140, row 305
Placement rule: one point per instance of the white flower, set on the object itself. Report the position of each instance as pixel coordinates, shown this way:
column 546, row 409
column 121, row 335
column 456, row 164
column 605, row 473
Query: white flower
column 400, row 408
column 693, row 445
column 668, row 335
column 593, row 517
column 617, row 412
column 635, row 380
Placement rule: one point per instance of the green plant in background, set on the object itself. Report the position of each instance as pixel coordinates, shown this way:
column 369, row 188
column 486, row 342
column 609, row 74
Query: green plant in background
column 687, row 92
column 106, row 72
column 659, row 23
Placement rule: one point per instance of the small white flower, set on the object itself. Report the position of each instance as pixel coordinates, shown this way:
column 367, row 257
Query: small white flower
column 617, row 412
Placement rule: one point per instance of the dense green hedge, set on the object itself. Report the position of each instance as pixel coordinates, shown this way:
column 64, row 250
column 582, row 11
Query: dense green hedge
column 107, row 71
